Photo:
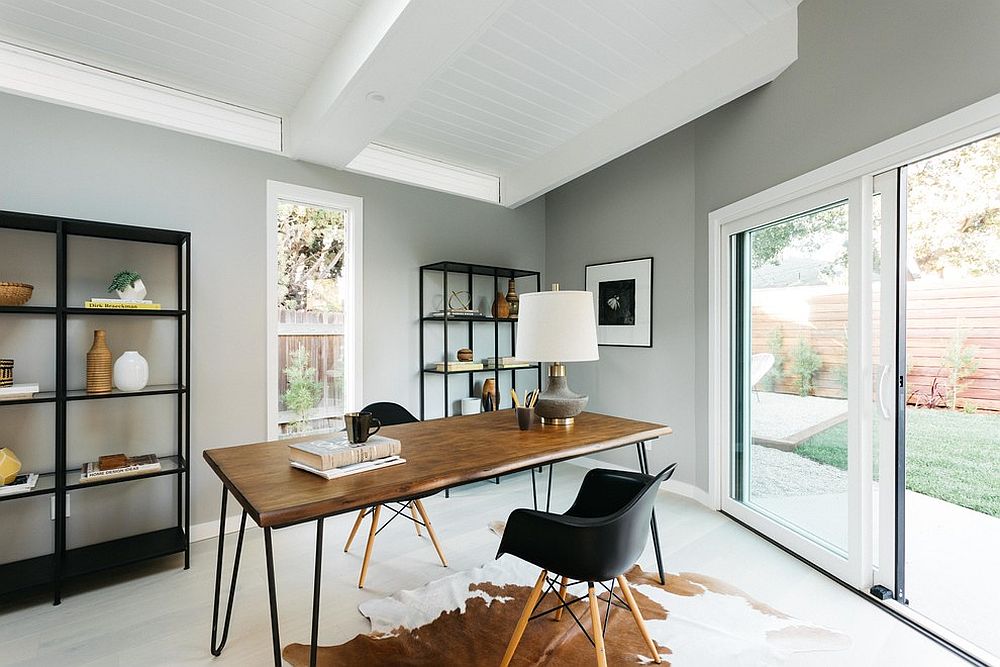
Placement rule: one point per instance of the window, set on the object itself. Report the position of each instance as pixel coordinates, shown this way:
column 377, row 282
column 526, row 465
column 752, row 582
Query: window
column 314, row 314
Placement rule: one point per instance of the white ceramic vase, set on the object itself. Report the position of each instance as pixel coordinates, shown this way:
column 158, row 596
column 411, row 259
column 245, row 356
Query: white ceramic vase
column 136, row 292
column 131, row 372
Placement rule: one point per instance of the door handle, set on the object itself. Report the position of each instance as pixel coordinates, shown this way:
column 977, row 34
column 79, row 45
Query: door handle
column 881, row 392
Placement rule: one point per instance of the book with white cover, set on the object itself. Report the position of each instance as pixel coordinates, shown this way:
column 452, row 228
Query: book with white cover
column 351, row 469
column 338, row 452
column 22, row 484
column 19, row 389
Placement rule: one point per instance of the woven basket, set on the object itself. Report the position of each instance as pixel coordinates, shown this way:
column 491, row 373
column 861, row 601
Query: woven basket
column 15, row 294
column 6, row 372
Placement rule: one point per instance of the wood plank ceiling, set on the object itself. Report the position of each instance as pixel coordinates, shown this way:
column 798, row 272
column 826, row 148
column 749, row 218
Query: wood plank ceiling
column 528, row 93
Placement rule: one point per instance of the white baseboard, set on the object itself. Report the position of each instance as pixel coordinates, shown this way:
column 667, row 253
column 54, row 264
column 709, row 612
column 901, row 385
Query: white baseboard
column 670, row 486
column 210, row 529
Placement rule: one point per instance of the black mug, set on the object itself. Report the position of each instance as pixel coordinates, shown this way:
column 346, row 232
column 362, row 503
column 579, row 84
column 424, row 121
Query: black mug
column 359, row 426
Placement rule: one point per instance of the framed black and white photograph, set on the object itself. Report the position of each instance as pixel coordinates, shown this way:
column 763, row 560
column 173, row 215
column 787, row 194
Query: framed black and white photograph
column 623, row 301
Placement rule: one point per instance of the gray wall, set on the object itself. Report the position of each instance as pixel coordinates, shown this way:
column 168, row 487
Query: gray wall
column 867, row 70
column 61, row 161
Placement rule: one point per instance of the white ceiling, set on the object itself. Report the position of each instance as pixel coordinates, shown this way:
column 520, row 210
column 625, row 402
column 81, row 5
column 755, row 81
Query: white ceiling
column 261, row 54
column 530, row 92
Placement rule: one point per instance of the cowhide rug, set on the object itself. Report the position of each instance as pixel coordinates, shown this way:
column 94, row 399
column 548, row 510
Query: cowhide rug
column 467, row 619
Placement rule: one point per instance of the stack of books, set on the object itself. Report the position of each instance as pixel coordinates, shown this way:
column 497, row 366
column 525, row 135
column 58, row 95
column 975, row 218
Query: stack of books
column 337, row 457
column 505, row 362
column 21, row 484
column 119, row 304
column 18, row 392
column 119, row 465
column 453, row 366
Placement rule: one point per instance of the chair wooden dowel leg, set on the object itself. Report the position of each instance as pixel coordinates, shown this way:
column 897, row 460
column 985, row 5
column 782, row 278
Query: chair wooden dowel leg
column 595, row 621
column 522, row 622
column 413, row 513
column 637, row 615
column 430, row 530
column 371, row 543
column 354, row 531
column 562, row 598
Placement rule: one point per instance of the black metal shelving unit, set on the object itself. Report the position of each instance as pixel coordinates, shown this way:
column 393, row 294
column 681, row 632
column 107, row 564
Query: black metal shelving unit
column 52, row 570
column 467, row 272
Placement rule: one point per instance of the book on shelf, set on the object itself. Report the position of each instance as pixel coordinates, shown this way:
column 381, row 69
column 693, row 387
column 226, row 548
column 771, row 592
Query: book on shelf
column 18, row 392
column 338, row 452
column 452, row 366
column 505, row 362
column 353, row 469
column 119, row 465
column 456, row 312
column 119, row 304
column 21, row 484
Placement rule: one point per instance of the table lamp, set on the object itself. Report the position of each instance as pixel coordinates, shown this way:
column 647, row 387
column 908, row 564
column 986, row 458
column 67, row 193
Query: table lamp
column 557, row 327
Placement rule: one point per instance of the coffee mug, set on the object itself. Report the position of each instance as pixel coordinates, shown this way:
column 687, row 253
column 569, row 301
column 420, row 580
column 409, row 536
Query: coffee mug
column 360, row 426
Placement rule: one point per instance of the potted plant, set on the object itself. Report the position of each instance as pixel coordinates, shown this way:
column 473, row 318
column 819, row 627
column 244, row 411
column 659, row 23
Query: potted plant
column 128, row 286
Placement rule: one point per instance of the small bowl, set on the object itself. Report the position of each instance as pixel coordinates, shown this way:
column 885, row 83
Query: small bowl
column 525, row 417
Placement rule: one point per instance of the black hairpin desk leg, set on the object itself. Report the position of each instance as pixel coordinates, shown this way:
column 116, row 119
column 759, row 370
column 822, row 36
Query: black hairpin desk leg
column 219, row 643
column 644, row 467
column 317, row 584
column 273, row 596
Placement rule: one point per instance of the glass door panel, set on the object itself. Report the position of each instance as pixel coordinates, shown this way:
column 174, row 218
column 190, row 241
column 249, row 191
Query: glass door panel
column 800, row 284
column 797, row 407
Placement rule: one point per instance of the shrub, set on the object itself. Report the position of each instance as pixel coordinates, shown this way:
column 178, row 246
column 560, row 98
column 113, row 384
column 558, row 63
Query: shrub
column 805, row 364
column 960, row 361
column 304, row 390
column 775, row 343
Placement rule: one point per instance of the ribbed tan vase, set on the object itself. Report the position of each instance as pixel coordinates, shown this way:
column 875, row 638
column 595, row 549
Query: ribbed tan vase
column 99, row 365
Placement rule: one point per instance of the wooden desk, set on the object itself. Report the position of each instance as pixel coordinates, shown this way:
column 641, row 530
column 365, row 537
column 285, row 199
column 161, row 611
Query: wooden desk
column 439, row 454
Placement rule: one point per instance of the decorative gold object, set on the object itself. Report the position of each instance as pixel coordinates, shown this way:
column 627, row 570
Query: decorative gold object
column 465, row 354
column 15, row 294
column 10, row 465
column 99, row 365
column 500, row 308
column 489, row 395
column 6, row 372
column 512, row 299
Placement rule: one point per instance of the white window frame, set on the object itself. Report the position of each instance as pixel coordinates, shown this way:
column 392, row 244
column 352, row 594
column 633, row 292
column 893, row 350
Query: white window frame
column 353, row 273
column 966, row 125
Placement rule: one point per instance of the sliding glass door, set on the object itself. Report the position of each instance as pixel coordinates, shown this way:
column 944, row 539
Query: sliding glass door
column 861, row 416
column 801, row 401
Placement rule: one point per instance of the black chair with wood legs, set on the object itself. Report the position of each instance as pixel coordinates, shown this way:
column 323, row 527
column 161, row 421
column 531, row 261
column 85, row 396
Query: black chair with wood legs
column 598, row 539
column 390, row 414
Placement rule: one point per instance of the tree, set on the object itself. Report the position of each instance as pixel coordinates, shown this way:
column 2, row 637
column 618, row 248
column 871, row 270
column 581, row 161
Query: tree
column 953, row 211
column 806, row 233
column 311, row 249
column 304, row 390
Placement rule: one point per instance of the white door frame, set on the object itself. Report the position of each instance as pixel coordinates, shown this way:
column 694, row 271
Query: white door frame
column 957, row 128
column 353, row 274
column 847, row 563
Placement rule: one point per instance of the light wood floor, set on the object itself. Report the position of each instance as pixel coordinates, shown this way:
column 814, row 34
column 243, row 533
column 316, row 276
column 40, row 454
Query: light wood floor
column 155, row 614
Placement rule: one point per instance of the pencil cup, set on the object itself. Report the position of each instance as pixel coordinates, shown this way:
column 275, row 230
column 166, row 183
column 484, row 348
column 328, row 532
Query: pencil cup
column 524, row 417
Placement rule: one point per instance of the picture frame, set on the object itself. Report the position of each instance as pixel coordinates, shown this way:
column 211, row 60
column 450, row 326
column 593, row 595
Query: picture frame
column 623, row 301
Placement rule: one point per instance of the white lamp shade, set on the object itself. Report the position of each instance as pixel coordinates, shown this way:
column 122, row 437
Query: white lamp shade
column 557, row 326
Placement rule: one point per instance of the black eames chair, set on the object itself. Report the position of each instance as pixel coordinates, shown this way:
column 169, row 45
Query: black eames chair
column 598, row 539
column 390, row 414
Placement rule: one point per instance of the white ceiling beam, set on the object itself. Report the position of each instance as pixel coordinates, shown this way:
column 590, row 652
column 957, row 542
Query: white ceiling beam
column 393, row 47
column 750, row 63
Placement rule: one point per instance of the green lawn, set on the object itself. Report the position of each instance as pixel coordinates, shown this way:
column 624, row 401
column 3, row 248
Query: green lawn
column 953, row 456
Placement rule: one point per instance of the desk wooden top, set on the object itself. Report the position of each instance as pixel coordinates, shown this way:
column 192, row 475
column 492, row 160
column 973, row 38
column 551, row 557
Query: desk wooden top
column 440, row 453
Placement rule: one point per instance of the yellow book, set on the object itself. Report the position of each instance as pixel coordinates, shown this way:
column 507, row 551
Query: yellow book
column 121, row 305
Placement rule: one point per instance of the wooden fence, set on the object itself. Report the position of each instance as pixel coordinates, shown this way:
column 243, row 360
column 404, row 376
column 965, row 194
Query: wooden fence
column 322, row 335
column 935, row 310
